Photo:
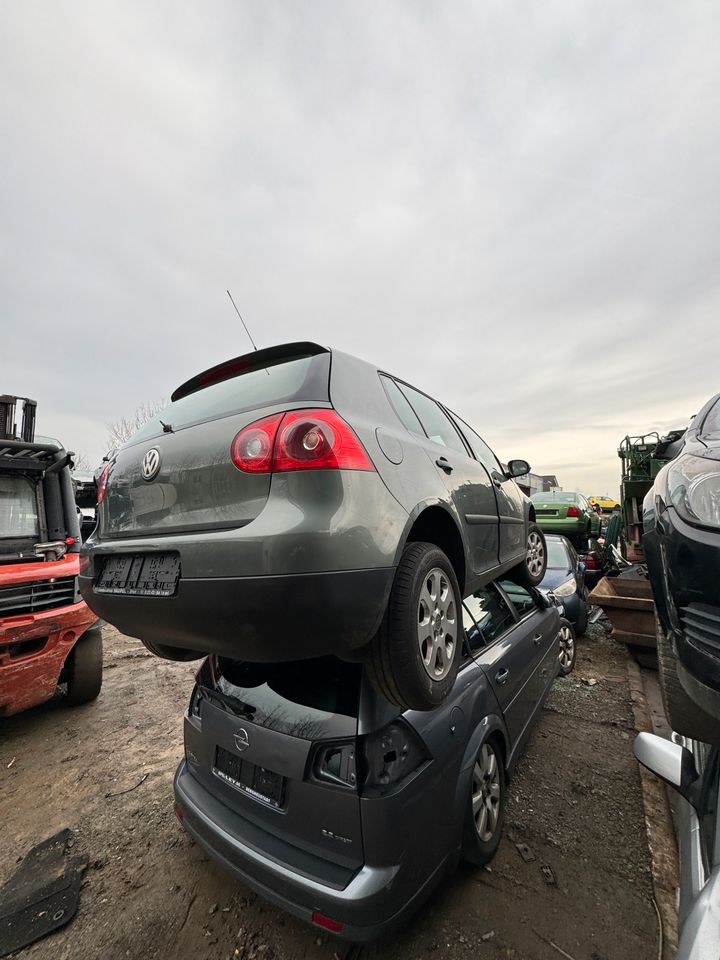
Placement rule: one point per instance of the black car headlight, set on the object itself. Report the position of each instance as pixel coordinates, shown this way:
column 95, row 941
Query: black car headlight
column 694, row 489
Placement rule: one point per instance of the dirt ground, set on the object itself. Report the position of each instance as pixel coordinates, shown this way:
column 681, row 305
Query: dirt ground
column 150, row 893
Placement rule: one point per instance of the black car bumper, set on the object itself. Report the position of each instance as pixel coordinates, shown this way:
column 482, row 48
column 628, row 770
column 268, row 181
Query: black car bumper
column 684, row 566
column 265, row 619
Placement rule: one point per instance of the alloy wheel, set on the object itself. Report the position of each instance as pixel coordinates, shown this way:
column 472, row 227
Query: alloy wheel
column 486, row 793
column 535, row 555
column 567, row 646
column 437, row 624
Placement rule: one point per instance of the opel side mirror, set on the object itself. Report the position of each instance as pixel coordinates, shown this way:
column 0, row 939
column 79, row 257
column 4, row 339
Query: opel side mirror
column 517, row 468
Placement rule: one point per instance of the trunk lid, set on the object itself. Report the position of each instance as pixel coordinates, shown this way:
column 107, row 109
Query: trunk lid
column 258, row 737
column 193, row 484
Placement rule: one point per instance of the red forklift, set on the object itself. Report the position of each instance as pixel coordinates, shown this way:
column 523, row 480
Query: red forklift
column 49, row 637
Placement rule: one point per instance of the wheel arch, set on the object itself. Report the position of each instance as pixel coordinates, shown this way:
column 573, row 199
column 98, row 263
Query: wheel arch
column 434, row 523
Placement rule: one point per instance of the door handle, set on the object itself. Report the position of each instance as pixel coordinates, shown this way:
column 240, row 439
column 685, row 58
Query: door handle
column 444, row 464
column 501, row 677
column 537, row 639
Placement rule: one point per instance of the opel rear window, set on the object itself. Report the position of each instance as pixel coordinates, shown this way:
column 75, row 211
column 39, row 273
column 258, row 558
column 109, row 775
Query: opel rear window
column 302, row 377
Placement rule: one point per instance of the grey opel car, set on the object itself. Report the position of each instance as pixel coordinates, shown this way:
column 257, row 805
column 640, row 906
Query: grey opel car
column 339, row 807
column 301, row 485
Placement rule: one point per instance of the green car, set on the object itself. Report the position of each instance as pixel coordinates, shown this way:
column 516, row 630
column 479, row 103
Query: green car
column 569, row 514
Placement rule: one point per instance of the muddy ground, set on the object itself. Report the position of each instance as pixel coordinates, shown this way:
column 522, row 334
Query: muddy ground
column 150, row 893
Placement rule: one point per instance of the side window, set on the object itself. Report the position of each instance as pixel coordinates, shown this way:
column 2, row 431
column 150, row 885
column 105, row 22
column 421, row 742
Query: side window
column 519, row 597
column 400, row 405
column 436, row 424
column 478, row 446
column 491, row 613
column 473, row 633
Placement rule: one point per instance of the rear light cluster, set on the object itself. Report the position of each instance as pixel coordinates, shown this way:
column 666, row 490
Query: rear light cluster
column 299, row 440
column 572, row 511
column 379, row 761
column 102, row 483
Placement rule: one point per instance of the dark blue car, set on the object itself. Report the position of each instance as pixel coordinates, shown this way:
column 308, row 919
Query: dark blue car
column 565, row 578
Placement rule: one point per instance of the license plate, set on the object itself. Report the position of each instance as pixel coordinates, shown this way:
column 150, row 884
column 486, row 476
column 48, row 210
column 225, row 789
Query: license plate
column 140, row 574
column 260, row 783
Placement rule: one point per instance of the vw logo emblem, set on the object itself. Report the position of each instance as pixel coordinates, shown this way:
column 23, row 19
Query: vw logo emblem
column 150, row 464
column 242, row 741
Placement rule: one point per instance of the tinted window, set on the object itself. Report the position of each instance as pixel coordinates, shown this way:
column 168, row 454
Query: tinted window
column 521, row 599
column 18, row 508
column 437, row 426
column 473, row 632
column 491, row 613
column 302, row 378
column 478, row 446
column 305, row 699
column 402, row 408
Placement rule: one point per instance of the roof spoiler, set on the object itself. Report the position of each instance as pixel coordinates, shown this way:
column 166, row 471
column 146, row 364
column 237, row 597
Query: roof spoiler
column 247, row 363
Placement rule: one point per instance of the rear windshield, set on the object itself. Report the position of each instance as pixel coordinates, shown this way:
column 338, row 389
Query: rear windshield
column 284, row 381
column 554, row 497
column 18, row 508
column 307, row 699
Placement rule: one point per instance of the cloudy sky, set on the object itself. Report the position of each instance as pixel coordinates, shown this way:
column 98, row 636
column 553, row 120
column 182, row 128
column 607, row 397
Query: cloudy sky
column 512, row 205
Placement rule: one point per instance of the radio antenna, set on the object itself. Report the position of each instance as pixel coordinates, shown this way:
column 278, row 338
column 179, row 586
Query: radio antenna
column 241, row 320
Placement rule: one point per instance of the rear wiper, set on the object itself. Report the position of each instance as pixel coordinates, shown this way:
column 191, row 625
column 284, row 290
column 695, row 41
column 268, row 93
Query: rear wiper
column 167, row 427
column 236, row 707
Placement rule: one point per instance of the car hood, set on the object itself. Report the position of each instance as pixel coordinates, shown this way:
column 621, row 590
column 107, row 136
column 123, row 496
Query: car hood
column 554, row 576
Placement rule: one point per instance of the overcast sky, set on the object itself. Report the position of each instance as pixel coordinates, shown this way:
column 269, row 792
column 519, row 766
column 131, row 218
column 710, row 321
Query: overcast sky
column 512, row 205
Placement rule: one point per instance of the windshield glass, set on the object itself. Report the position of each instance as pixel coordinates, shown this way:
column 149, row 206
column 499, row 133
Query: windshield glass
column 556, row 554
column 554, row 497
column 302, row 378
column 18, row 508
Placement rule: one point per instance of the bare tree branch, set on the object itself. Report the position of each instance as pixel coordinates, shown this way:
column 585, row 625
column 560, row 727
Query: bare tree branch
column 120, row 431
column 81, row 463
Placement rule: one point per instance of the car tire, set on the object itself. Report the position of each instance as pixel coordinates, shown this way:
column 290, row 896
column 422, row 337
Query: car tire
column 531, row 572
column 582, row 620
column 83, row 670
column 568, row 648
column 414, row 657
column 176, row 654
column 684, row 715
column 486, row 806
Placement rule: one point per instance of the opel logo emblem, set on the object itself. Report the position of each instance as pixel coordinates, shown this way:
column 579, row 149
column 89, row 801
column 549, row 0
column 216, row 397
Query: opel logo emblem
column 242, row 741
column 150, row 464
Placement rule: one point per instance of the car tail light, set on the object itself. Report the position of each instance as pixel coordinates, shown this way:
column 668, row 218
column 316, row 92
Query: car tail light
column 590, row 561
column 102, row 483
column 573, row 511
column 335, row 763
column 390, row 755
column 320, row 920
column 316, row 439
column 252, row 449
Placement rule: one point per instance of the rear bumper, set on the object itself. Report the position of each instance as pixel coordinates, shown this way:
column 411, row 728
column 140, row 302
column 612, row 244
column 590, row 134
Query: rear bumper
column 368, row 906
column 684, row 566
column 33, row 651
column 567, row 528
column 266, row 619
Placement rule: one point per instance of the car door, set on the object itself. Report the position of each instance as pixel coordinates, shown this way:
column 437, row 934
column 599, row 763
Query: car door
column 467, row 480
column 542, row 624
column 509, row 497
column 507, row 658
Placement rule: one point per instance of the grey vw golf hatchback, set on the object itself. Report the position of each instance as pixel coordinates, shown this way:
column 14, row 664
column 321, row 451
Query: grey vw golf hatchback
column 298, row 485
column 339, row 807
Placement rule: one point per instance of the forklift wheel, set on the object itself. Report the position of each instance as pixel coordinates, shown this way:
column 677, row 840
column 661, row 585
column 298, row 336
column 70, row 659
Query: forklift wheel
column 84, row 668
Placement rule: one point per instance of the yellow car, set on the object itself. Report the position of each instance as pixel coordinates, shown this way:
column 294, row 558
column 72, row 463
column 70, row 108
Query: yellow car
column 606, row 504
